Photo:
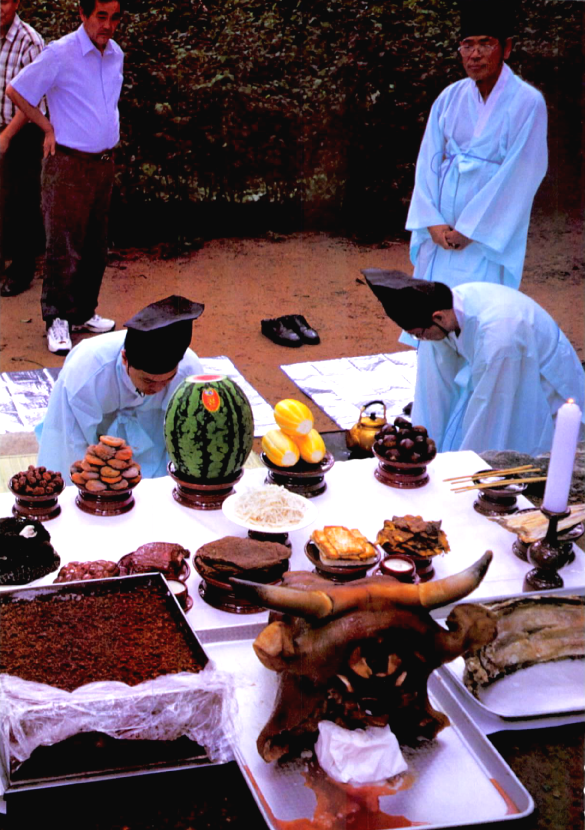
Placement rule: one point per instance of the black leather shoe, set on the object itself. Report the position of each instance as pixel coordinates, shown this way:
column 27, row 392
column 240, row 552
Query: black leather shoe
column 297, row 323
column 18, row 278
column 277, row 331
column 12, row 287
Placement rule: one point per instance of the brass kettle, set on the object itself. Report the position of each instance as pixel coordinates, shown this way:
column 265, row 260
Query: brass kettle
column 363, row 434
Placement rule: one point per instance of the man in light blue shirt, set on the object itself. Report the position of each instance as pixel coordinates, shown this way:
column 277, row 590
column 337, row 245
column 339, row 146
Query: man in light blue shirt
column 497, row 367
column 81, row 77
column 120, row 384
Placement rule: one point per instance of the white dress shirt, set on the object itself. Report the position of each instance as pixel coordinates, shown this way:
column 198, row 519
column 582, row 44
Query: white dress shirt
column 82, row 87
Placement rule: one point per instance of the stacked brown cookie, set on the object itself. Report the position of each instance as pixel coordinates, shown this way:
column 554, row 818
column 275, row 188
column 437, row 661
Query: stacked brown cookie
column 107, row 465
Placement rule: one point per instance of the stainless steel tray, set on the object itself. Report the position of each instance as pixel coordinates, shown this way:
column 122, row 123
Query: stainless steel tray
column 108, row 758
column 552, row 689
column 456, row 780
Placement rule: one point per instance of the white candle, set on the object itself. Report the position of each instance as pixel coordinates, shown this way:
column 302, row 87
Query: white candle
column 562, row 458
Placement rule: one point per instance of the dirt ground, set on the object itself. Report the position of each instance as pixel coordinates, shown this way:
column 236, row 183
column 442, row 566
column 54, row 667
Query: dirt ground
column 242, row 281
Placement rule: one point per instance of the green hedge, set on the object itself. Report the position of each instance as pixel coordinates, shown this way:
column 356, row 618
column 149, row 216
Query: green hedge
column 253, row 114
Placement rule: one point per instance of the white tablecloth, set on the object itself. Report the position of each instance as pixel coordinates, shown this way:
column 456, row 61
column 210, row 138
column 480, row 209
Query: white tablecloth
column 353, row 498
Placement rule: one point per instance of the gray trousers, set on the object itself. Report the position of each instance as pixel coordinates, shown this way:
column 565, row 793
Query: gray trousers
column 76, row 195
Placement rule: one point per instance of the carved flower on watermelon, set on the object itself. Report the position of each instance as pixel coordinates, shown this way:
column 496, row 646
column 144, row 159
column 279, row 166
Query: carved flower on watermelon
column 209, row 427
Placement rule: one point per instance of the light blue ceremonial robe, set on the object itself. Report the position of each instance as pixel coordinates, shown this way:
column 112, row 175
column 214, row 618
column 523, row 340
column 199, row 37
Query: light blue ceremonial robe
column 94, row 396
column 478, row 169
column 499, row 384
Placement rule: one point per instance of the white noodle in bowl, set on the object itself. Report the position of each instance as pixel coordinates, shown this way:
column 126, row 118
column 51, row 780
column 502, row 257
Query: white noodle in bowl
column 270, row 507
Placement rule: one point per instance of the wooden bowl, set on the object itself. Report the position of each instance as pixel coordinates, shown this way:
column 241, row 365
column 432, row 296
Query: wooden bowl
column 304, row 479
column 338, row 573
column 106, row 502
column 402, row 474
column 220, row 594
column 37, row 508
column 199, row 494
column 497, row 501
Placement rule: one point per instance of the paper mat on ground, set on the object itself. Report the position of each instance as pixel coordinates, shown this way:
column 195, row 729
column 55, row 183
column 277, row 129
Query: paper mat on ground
column 24, row 396
column 342, row 386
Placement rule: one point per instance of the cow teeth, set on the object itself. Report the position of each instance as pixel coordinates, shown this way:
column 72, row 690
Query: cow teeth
column 401, row 678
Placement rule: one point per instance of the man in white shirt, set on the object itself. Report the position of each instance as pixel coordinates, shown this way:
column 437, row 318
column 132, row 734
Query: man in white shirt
column 81, row 76
column 480, row 163
column 21, row 152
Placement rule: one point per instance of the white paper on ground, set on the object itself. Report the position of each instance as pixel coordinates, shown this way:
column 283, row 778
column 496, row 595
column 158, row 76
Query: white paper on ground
column 359, row 756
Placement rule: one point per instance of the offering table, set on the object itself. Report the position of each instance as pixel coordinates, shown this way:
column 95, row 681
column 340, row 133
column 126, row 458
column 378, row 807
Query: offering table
column 353, row 498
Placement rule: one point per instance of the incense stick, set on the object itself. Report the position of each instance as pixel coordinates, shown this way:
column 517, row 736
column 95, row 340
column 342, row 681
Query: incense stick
column 527, row 468
column 498, row 484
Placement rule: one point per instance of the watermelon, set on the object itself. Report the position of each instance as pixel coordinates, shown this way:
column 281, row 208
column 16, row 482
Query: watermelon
column 209, row 427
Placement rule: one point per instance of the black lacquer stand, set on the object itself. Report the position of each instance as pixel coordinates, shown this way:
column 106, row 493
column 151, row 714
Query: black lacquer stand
column 548, row 555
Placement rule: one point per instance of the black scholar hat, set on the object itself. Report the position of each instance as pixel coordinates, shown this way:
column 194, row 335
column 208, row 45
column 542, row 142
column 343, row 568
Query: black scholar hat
column 408, row 301
column 159, row 335
column 491, row 18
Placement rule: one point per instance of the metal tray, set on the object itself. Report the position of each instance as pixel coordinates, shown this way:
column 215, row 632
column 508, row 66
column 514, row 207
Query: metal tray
column 540, row 691
column 109, row 757
column 456, row 780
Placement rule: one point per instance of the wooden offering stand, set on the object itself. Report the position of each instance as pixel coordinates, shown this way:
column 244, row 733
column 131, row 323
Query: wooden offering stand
column 497, row 500
column 402, row 474
column 565, row 537
column 221, row 594
column 105, row 502
column 305, row 479
column 202, row 495
column 36, row 508
column 338, row 573
column 548, row 555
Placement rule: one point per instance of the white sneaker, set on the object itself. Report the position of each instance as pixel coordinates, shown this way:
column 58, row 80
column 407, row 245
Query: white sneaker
column 58, row 339
column 97, row 325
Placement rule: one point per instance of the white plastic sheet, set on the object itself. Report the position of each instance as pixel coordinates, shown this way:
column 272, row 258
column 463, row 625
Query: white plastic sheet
column 166, row 708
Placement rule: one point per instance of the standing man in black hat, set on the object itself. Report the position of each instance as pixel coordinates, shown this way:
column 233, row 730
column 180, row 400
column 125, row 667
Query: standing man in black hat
column 120, row 384
column 480, row 163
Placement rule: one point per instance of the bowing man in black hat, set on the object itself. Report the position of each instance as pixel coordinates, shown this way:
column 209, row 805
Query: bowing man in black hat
column 120, row 384
column 496, row 367
column 481, row 161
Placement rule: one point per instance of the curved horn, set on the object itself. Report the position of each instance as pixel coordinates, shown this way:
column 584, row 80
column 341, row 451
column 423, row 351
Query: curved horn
column 288, row 600
column 453, row 588
column 371, row 593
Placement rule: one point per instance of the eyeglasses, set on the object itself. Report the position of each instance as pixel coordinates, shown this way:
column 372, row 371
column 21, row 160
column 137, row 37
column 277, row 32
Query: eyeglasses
column 467, row 49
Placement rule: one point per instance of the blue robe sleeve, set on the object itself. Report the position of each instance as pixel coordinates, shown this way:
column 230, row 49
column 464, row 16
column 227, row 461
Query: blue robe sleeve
column 71, row 422
column 423, row 211
column 497, row 216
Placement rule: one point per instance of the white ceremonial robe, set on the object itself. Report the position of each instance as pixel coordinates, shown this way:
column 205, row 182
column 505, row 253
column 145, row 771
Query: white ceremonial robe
column 94, row 396
column 499, row 384
column 478, row 169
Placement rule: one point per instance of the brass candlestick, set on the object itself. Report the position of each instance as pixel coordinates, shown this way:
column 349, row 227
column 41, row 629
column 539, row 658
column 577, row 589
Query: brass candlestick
column 549, row 555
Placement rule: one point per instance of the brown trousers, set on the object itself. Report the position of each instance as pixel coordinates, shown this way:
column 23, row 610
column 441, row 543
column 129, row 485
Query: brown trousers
column 76, row 194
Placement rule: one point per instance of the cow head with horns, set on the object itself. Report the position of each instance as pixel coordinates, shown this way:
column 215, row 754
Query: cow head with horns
column 361, row 654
